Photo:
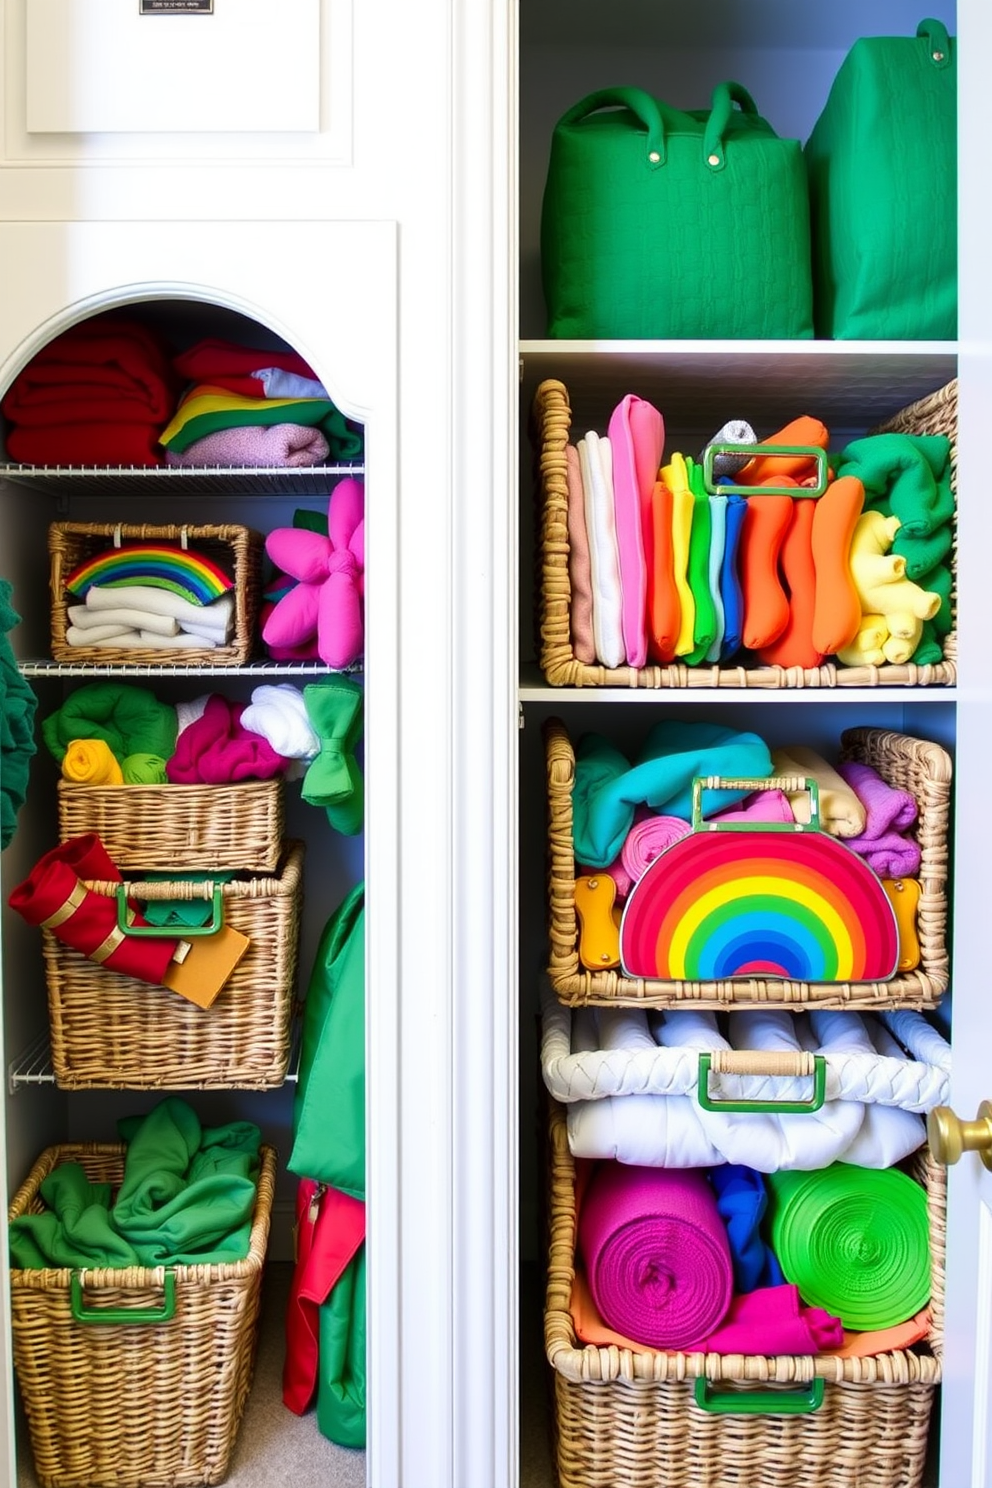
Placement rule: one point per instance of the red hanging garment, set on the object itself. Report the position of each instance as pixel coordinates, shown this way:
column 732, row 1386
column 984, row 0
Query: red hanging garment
column 330, row 1228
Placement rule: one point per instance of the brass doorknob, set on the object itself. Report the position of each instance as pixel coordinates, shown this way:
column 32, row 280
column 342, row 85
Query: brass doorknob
column 949, row 1136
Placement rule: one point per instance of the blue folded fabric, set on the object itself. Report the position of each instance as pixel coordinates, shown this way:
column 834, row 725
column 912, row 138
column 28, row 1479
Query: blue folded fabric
column 741, row 1201
column 730, row 584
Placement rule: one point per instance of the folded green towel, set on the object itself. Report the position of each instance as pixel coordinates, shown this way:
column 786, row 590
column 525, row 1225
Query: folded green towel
column 907, row 476
column 854, row 1240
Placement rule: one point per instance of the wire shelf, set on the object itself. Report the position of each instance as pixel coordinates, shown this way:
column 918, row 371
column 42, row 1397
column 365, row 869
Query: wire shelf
column 192, row 480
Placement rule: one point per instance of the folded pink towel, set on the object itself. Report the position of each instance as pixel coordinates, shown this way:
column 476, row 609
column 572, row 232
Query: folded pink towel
column 760, row 806
column 637, row 437
column 656, row 1253
column 288, row 445
column 889, row 816
column 216, row 750
column 771, row 1320
column 646, row 839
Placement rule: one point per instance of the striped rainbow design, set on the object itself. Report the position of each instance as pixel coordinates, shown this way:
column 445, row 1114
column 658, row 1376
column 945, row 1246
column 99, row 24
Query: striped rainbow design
column 190, row 574
column 724, row 904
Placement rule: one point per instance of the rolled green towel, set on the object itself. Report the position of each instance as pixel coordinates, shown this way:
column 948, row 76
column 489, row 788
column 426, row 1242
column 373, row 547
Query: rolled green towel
column 143, row 769
column 855, row 1241
column 129, row 719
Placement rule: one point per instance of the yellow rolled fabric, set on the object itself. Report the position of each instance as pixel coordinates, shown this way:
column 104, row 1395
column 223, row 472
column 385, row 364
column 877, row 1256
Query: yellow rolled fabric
column 90, row 762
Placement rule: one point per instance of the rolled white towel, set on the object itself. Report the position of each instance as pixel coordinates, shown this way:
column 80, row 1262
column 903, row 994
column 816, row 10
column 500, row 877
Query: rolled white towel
column 278, row 712
column 180, row 642
column 95, row 634
column 217, row 635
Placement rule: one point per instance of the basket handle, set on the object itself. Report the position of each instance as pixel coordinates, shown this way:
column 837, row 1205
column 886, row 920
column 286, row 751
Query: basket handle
column 731, row 447
column 762, row 1062
column 205, row 890
column 83, row 1314
column 758, row 1402
column 789, row 784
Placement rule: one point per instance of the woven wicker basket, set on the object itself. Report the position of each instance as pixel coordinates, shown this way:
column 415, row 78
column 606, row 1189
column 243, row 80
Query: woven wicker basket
column 922, row 768
column 110, row 1031
column 238, row 550
column 627, row 1419
column 132, row 1404
column 551, row 424
column 205, row 828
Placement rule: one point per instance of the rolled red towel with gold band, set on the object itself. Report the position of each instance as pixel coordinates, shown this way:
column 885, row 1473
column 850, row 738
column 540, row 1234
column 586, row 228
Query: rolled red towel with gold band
column 55, row 897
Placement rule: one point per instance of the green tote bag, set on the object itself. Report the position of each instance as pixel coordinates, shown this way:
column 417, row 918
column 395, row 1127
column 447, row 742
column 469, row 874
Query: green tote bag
column 658, row 222
column 883, row 191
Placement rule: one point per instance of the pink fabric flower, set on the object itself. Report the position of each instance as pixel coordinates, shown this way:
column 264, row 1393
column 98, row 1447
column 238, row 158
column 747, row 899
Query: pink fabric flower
column 328, row 598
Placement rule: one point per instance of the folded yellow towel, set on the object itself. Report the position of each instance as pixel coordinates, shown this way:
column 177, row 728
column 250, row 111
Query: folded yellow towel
column 841, row 811
column 90, row 762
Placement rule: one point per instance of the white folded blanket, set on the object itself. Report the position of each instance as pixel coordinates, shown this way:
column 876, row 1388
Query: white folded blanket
column 596, row 463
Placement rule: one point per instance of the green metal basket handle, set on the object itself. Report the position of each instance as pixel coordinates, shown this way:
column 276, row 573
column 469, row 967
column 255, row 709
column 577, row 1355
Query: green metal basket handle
column 789, row 784
column 758, row 1402
column 765, row 1062
column 157, row 932
column 83, row 1314
column 731, row 447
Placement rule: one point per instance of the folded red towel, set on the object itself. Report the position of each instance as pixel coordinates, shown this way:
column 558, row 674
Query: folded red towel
column 115, row 354
column 214, row 358
column 96, row 443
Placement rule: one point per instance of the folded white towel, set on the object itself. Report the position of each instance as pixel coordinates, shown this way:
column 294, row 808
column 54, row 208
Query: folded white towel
column 160, row 602
column 94, row 634
column 127, row 617
column 596, row 463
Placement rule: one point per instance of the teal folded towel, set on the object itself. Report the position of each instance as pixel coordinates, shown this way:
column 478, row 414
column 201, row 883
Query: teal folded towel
column 608, row 788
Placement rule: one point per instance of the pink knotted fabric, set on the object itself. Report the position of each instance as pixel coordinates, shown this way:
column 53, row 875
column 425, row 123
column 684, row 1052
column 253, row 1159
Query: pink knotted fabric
column 327, row 600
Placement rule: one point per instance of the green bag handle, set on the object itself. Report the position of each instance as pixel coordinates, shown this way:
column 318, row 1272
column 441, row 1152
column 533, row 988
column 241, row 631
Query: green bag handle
column 725, row 95
column 656, row 117
column 83, row 1314
column 160, row 932
column 729, row 447
column 763, row 1062
column 746, row 784
column 758, row 1402
column 938, row 41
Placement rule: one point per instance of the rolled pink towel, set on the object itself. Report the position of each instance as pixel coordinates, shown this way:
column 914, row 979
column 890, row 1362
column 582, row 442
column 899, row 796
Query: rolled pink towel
column 890, row 813
column 647, row 838
column 289, row 445
column 656, row 1253
column 760, row 806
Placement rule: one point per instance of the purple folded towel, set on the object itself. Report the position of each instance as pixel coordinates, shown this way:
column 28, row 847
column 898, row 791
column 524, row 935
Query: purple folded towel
column 890, row 814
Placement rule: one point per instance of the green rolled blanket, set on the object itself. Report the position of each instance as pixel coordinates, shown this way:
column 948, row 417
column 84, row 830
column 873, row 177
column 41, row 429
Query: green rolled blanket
column 855, row 1241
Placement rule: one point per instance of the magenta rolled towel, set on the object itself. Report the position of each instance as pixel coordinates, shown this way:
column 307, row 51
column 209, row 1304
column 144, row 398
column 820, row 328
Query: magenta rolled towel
column 889, row 815
column 656, row 1253
column 647, row 838
column 289, row 445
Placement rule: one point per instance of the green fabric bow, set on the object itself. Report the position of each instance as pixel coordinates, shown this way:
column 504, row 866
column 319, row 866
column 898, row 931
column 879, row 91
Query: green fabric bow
column 334, row 779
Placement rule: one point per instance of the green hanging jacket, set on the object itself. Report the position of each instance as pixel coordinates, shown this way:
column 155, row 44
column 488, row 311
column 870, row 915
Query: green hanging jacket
column 329, row 1107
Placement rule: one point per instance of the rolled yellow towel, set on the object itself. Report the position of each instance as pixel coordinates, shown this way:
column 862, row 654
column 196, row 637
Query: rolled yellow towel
column 90, row 762
column 841, row 811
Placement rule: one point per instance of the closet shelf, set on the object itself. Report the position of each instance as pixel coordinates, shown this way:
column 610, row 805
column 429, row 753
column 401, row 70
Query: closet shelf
column 178, row 669
column 34, row 1065
column 248, row 480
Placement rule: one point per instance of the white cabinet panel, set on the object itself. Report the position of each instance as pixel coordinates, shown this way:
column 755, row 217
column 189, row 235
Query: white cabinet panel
column 102, row 66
